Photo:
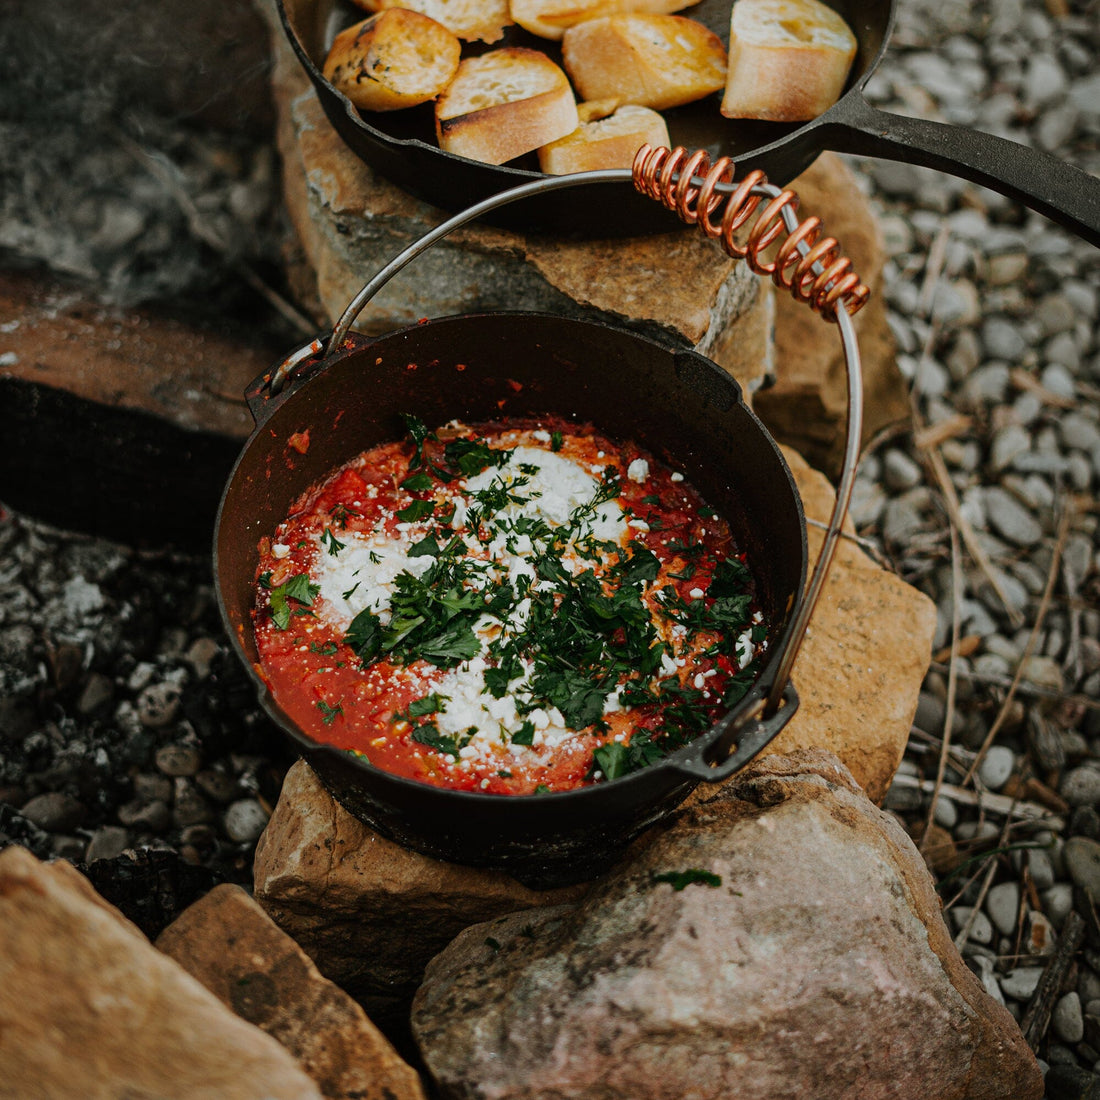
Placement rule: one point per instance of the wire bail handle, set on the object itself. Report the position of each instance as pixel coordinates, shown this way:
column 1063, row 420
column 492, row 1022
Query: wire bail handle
column 807, row 264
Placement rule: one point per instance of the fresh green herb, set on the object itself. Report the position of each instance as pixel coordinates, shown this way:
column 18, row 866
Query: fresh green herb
column 417, row 483
column 350, row 592
column 418, row 509
column 341, row 512
column 326, row 650
column 328, row 714
column 471, row 456
column 707, row 513
column 649, row 498
column 678, row 880
column 264, row 579
column 298, row 588
column 420, row 434
column 364, row 635
column 426, row 547
column 430, row 704
column 730, row 578
column 373, row 558
column 556, row 440
column 542, row 788
column 448, row 744
column 525, row 735
column 331, row 543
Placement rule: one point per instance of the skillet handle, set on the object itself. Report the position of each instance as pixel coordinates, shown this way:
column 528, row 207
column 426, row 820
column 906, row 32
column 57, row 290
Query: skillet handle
column 1055, row 189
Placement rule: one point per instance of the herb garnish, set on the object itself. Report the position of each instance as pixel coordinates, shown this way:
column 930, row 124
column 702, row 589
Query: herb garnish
column 331, row 543
column 298, row 588
column 678, row 880
column 328, row 714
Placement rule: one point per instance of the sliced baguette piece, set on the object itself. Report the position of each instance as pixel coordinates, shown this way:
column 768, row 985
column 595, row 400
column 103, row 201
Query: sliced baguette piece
column 392, row 60
column 604, row 142
column 503, row 104
column 471, row 20
column 551, row 18
column 788, row 60
column 655, row 61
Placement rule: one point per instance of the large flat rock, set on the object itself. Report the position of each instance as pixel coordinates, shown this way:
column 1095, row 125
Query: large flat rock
column 89, row 1008
column 781, row 939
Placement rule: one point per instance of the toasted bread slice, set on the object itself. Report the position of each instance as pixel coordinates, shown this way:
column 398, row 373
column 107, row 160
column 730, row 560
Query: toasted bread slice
column 551, row 18
column 655, row 61
column 788, row 59
column 503, row 104
column 471, row 20
column 392, row 60
column 604, row 143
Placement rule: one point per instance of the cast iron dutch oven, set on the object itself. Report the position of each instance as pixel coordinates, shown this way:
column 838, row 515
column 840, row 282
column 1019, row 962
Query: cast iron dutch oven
column 401, row 144
column 481, row 367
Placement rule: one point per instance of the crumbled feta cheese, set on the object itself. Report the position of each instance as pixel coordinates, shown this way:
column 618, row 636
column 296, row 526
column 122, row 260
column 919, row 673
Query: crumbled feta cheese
column 638, row 470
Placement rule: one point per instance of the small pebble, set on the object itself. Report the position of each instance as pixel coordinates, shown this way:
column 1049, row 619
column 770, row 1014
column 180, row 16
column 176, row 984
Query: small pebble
column 1021, row 982
column 1002, row 903
column 107, row 842
column 54, row 811
column 997, row 766
column 179, row 759
column 245, row 820
column 1067, row 1018
column 1081, row 786
column 1082, row 860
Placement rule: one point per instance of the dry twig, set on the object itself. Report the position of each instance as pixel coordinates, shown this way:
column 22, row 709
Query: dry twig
column 1037, row 1018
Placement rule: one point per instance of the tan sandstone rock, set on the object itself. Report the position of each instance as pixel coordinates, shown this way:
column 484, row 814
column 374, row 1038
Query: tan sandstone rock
column 368, row 912
column 89, row 1009
column 229, row 943
column 868, row 647
column 803, row 954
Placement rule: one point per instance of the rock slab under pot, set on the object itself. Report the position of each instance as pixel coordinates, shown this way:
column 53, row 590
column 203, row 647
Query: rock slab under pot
column 780, row 939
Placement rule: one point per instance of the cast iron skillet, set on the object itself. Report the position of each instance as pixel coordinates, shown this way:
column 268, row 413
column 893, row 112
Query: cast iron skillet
column 676, row 403
column 401, row 144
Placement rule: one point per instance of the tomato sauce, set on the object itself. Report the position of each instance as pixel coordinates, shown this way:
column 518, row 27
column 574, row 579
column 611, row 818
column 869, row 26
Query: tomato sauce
column 505, row 608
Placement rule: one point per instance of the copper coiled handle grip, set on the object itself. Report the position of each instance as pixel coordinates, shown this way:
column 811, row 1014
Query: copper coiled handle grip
column 672, row 177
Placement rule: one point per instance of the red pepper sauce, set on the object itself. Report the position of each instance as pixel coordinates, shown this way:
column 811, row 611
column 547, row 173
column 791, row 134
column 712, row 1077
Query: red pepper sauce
column 505, row 608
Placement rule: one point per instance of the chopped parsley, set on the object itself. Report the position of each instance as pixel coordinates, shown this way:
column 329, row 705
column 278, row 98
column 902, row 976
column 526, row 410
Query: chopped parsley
column 299, row 589
column 329, row 714
column 331, row 543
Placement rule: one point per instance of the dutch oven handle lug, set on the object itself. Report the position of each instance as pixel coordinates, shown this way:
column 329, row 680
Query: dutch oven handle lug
column 753, row 733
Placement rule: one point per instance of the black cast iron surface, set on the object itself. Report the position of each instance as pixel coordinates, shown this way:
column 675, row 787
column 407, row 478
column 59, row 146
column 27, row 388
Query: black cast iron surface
column 677, row 404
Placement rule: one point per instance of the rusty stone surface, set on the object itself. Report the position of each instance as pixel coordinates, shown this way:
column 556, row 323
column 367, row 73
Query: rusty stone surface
column 88, row 1008
column 233, row 948
column 368, row 912
column 804, row 954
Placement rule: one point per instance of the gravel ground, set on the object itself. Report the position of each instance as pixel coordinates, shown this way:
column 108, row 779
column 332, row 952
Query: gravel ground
column 124, row 724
